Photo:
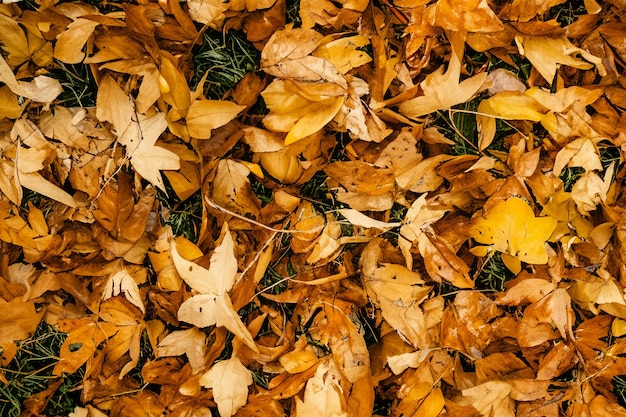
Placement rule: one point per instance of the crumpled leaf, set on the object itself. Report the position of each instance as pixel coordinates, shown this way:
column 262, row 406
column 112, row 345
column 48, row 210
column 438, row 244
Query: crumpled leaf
column 287, row 56
column 399, row 292
column 323, row 394
column 121, row 282
column 229, row 380
column 443, row 90
column 492, row 398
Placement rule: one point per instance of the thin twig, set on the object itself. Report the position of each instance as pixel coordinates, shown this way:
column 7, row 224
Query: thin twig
column 254, row 222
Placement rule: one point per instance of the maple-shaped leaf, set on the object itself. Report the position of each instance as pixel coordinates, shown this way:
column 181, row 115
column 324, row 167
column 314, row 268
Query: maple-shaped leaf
column 147, row 158
column 443, row 90
column 212, row 306
column 190, row 342
column 510, row 226
column 229, row 380
column 546, row 53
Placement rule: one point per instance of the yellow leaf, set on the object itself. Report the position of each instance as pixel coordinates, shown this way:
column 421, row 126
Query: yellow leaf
column 444, row 90
column 345, row 53
column 466, row 16
column 177, row 93
column 511, row 227
column 229, row 380
column 298, row 112
column 546, row 53
column 13, row 41
column 298, row 361
column 206, row 115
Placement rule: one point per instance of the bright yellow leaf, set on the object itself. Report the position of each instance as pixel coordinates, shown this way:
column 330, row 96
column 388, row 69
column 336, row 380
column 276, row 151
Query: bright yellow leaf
column 511, row 227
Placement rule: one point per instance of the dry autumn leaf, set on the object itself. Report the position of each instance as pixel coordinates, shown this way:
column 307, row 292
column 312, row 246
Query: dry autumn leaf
column 212, row 306
column 229, row 380
column 399, row 207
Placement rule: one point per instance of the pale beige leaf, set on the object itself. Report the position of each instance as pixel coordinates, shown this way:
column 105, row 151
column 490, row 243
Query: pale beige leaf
column 229, row 380
column 206, row 115
column 206, row 310
column 147, row 158
column 490, row 399
column 191, row 342
column 581, row 152
column 121, row 282
column 41, row 89
column 323, row 395
column 208, row 12
column 35, row 182
column 220, row 276
column 359, row 219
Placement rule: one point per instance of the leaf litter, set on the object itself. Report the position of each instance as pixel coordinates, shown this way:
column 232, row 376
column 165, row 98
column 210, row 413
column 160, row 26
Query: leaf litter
column 365, row 208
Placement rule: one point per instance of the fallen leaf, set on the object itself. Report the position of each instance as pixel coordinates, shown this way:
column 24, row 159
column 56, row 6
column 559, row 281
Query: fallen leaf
column 229, row 380
column 546, row 53
column 443, row 90
column 205, row 115
column 511, row 227
column 212, row 306
column 491, row 398
column 323, row 395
